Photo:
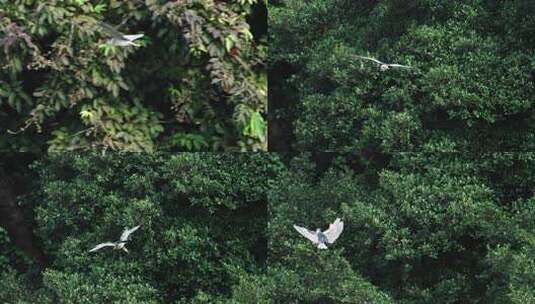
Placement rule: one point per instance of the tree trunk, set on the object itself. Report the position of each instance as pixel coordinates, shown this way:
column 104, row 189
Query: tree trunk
column 12, row 220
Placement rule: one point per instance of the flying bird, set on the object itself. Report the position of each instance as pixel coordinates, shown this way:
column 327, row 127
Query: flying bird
column 320, row 238
column 118, row 38
column 120, row 244
column 385, row 66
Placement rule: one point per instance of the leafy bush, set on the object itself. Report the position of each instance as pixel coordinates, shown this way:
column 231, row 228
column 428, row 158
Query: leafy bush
column 196, row 82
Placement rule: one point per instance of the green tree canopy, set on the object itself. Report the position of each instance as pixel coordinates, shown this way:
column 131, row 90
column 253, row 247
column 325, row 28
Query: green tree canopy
column 419, row 228
column 203, row 224
column 217, row 228
column 471, row 88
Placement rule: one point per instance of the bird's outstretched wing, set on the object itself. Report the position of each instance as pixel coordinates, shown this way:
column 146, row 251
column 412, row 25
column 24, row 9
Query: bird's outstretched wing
column 399, row 66
column 372, row 59
column 127, row 233
column 102, row 245
column 133, row 37
column 334, row 231
column 110, row 30
column 307, row 233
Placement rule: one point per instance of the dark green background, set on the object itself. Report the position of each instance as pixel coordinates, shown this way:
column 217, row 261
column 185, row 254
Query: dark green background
column 472, row 89
column 217, row 228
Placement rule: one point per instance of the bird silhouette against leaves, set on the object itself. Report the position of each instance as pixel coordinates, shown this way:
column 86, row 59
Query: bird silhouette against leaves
column 385, row 66
column 118, row 38
column 320, row 238
column 120, row 244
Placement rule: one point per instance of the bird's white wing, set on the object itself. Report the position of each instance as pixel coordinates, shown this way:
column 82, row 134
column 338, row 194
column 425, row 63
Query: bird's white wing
column 399, row 66
column 372, row 59
column 102, row 245
column 334, row 231
column 111, row 30
column 133, row 37
column 307, row 233
column 127, row 233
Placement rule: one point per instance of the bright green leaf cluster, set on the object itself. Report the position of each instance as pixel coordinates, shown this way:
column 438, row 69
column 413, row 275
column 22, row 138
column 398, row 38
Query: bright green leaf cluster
column 55, row 63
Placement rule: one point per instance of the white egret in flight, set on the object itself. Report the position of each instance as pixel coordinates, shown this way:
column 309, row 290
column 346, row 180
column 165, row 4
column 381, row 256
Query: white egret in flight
column 385, row 66
column 120, row 244
column 118, row 38
column 320, row 238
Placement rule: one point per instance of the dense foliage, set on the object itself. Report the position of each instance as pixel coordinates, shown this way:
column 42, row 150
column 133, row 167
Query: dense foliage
column 422, row 228
column 472, row 86
column 419, row 228
column 203, row 231
column 196, row 83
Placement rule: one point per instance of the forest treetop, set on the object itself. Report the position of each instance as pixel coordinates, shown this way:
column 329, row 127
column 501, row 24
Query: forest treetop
column 472, row 88
column 203, row 220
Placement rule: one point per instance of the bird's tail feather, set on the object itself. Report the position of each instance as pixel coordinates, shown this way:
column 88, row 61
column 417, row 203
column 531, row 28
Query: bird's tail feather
column 322, row 246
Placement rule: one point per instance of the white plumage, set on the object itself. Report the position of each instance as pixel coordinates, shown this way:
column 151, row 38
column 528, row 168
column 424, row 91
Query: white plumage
column 118, row 38
column 319, row 238
column 99, row 246
column 385, row 66
column 119, row 245
column 126, row 233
